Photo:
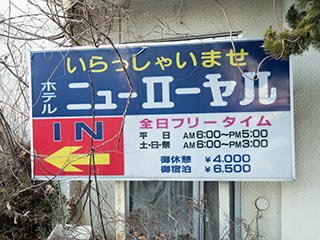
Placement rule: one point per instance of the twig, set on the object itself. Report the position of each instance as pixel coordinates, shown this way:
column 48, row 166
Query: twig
column 92, row 160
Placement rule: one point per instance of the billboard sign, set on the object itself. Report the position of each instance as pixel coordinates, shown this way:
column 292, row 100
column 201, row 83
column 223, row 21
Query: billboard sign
column 188, row 110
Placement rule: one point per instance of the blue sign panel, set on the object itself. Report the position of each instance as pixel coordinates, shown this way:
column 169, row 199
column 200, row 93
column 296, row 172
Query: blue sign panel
column 172, row 78
column 179, row 110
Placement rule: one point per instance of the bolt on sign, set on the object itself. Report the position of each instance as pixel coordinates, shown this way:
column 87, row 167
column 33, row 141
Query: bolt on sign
column 197, row 110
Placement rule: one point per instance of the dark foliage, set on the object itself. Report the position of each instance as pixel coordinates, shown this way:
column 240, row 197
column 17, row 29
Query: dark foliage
column 304, row 21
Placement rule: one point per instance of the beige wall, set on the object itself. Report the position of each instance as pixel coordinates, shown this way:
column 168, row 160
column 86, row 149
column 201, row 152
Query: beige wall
column 293, row 206
column 178, row 18
column 170, row 19
column 300, row 200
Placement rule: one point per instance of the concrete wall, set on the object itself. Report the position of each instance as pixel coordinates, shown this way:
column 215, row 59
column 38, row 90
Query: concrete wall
column 300, row 200
column 172, row 19
column 178, row 18
column 294, row 209
column 293, row 206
